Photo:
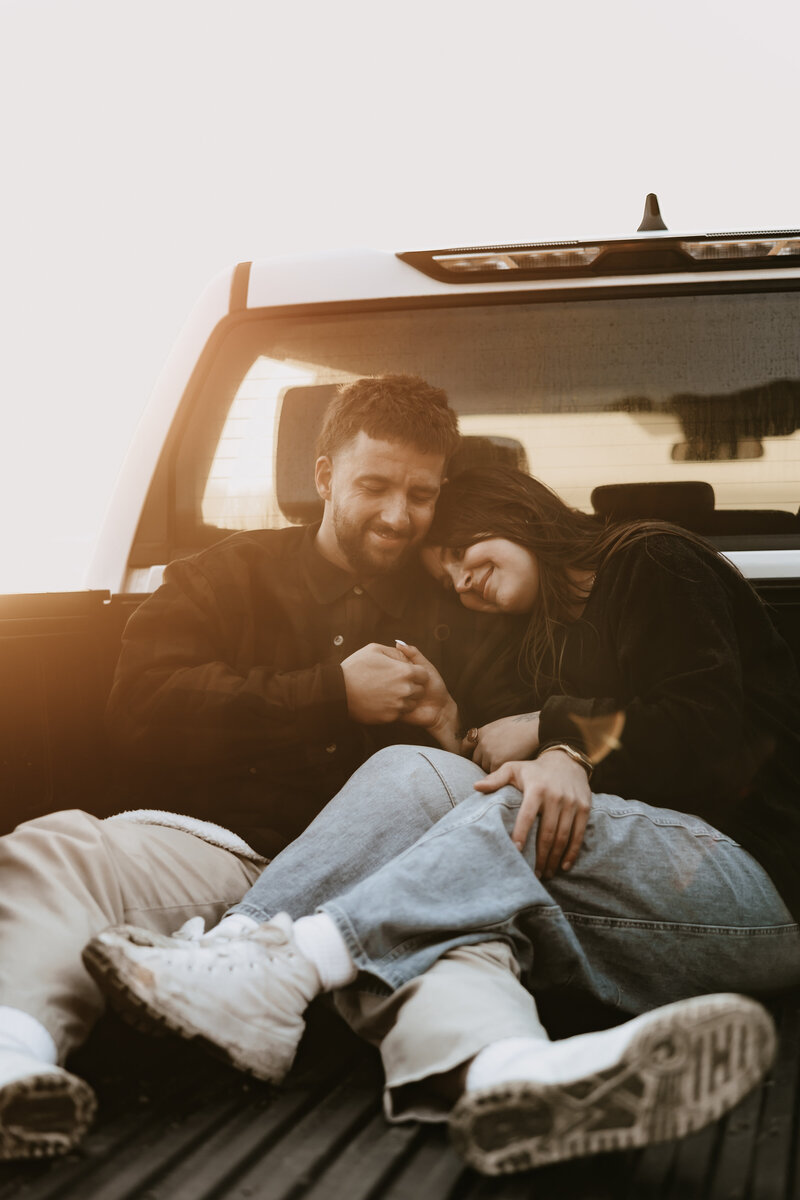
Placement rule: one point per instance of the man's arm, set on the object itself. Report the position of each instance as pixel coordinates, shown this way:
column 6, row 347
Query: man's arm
column 186, row 689
column 382, row 684
column 176, row 694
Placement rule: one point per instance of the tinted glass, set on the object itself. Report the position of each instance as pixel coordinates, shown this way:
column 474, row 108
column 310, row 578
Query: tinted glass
column 680, row 389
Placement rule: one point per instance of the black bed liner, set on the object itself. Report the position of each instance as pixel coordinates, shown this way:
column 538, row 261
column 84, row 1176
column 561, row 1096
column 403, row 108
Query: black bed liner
column 176, row 1125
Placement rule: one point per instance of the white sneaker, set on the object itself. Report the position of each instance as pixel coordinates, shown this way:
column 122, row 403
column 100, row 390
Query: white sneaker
column 43, row 1109
column 657, row 1077
column 245, row 996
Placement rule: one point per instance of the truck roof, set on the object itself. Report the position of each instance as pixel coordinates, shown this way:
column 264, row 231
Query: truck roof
column 652, row 250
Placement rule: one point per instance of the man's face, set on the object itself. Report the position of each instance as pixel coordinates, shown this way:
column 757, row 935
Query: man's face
column 379, row 501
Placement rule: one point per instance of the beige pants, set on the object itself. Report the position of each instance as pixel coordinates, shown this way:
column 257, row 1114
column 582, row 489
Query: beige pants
column 68, row 875
column 440, row 1020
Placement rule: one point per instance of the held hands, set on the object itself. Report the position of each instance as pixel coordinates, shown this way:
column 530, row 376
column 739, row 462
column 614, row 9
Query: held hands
column 506, row 740
column 554, row 788
column 435, row 709
column 383, row 685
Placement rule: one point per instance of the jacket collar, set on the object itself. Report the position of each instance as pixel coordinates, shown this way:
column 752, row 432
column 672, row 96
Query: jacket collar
column 327, row 582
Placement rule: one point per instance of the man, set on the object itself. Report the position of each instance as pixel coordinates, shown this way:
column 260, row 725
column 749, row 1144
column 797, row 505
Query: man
column 265, row 669
column 250, row 686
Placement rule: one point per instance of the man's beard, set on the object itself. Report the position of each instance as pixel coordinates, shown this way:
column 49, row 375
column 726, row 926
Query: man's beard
column 363, row 557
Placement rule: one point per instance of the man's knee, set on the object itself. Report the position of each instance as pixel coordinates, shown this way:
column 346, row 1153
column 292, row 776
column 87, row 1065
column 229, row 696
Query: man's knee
column 395, row 759
column 454, row 772
column 436, row 779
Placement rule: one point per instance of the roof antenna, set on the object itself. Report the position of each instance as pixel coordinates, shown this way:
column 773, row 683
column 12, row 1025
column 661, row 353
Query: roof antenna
column 652, row 221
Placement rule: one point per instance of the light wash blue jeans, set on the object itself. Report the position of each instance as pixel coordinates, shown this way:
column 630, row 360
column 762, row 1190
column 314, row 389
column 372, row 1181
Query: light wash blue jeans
column 410, row 862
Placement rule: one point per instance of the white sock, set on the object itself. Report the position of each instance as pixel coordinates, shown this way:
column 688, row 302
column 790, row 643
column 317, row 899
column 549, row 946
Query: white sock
column 320, row 941
column 503, row 1061
column 234, row 925
column 21, row 1032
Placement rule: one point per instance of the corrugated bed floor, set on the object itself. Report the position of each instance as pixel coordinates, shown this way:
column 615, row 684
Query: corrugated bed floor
column 175, row 1125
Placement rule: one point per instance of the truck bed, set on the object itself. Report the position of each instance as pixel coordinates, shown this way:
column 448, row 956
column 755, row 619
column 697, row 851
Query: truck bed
column 176, row 1125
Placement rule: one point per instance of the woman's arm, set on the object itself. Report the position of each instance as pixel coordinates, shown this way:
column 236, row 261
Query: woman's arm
column 491, row 745
column 669, row 624
column 435, row 710
column 508, row 740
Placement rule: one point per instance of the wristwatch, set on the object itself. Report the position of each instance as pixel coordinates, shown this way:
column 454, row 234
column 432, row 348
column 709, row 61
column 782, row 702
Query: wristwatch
column 577, row 755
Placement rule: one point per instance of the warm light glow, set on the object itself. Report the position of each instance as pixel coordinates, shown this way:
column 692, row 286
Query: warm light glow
column 239, row 490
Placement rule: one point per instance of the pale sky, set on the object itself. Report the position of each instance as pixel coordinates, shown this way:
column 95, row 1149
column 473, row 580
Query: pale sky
column 145, row 146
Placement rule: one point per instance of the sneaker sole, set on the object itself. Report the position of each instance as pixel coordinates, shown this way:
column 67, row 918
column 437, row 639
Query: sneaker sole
column 681, row 1070
column 44, row 1115
column 112, row 973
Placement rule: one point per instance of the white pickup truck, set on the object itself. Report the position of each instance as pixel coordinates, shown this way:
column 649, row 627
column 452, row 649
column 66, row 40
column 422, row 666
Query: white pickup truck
column 654, row 375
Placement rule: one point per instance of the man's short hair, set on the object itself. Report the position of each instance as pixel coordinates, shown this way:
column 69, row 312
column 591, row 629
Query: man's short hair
column 391, row 408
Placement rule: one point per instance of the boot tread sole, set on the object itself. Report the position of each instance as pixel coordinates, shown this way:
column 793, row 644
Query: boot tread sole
column 679, row 1073
column 142, row 1016
column 63, row 1102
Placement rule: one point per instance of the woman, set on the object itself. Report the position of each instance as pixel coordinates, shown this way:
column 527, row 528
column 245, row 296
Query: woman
column 670, row 879
column 645, row 620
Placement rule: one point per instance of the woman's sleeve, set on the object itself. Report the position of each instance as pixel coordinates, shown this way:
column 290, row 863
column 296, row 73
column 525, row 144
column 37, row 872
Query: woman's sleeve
column 671, row 621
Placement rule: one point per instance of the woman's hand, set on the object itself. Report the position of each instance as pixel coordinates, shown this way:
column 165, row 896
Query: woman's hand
column 556, row 790
column 435, row 710
column 505, row 740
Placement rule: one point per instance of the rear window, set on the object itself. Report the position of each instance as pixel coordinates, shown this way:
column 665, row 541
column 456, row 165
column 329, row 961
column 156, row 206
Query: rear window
column 680, row 389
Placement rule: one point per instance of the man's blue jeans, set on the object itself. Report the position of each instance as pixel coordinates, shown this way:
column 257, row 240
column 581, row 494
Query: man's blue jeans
column 410, row 862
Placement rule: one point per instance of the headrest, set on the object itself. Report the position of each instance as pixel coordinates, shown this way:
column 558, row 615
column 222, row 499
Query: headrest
column 754, row 521
column 298, row 428
column 686, row 503
column 475, row 451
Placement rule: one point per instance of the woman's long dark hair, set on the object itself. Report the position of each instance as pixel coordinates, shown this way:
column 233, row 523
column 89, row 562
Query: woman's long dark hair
column 489, row 502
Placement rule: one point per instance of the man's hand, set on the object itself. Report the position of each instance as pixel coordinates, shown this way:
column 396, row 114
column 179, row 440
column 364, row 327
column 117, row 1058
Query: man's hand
column 381, row 684
column 554, row 788
column 506, row 740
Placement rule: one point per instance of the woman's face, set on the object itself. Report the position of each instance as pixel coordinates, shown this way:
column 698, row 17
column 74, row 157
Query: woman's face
column 495, row 575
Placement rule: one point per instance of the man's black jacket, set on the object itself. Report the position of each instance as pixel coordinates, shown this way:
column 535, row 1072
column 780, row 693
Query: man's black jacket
column 229, row 701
